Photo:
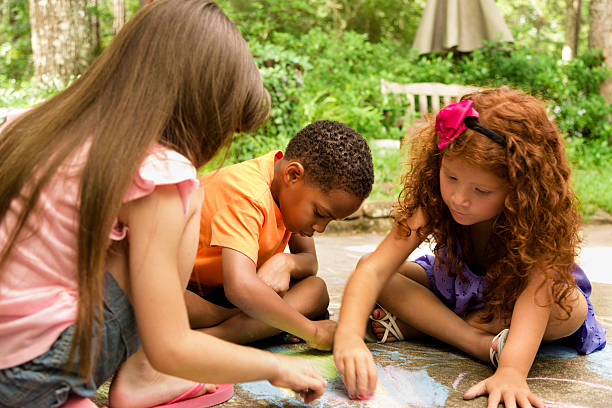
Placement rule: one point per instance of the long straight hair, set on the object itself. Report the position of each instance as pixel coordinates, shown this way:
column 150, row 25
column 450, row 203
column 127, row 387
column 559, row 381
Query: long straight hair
column 179, row 74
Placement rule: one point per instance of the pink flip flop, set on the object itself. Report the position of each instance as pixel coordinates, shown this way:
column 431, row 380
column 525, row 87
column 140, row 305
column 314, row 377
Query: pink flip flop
column 79, row 402
column 186, row 400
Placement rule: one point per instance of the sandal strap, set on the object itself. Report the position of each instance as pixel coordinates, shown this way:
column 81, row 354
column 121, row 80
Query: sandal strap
column 501, row 342
column 389, row 324
column 190, row 393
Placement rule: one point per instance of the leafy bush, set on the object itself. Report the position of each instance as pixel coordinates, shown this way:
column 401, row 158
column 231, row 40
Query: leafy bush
column 15, row 45
column 572, row 88
column 591, row 173
column 395, row 20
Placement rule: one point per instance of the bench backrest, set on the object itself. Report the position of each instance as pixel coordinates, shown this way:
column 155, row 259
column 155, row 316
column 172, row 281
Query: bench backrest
column 431, row 95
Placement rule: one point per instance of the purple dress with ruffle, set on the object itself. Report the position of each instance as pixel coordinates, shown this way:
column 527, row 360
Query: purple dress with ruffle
column 464, row 296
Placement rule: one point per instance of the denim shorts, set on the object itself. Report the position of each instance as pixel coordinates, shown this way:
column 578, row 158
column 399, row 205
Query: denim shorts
column 45, row 381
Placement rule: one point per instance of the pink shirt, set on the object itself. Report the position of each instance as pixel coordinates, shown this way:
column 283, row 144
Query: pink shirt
column 38, row 282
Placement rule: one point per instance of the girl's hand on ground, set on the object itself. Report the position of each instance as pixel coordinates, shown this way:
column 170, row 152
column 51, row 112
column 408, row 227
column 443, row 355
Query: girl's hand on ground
column 505, row 385
column 324, row 335
column 276, row 273
column 356, row 365
column 300, row 376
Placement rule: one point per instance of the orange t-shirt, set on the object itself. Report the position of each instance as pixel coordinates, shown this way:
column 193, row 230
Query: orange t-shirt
column 239, row 212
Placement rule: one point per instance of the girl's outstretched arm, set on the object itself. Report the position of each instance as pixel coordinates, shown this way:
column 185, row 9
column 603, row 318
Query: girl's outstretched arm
column 353, row 359
column 530, row 318
column 163, row 241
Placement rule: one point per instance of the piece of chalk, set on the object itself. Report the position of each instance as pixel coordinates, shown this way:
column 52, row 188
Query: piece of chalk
column 395, row 356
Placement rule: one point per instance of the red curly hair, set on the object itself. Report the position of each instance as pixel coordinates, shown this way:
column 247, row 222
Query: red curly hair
column 537, row 231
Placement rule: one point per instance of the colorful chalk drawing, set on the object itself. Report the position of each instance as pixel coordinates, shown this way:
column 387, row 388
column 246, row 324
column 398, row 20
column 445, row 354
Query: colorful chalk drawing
column 556, row 351
column 598, row 361
column 405, row 382
column 432, row 356
column 397, row 386
column 555, row 404
column 601, row 362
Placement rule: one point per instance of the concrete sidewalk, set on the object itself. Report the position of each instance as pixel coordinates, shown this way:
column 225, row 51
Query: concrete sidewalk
column 431, row 374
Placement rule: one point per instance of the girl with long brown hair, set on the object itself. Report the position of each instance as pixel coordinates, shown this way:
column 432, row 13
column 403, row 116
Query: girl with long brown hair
column 489, row 184
column 99, row 216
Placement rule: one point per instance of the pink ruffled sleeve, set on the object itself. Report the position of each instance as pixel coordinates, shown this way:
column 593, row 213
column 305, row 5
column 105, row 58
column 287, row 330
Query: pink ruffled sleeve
column 162, row 166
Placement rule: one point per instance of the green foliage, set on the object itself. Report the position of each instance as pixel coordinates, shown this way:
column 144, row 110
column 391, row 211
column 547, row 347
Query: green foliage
column 323, row 59
column 592, row 173
column 15, row 54
column 572, row 88
column 388, row 169
column 15, row 35
column 15, row 94
column 537, row 24
column 392, row 19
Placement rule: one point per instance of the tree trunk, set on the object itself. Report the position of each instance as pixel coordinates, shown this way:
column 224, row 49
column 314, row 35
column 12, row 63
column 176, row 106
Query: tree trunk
column 600, row 36
column 61, row 37
column 95, row 25
column 572, row 29
column 119, row 15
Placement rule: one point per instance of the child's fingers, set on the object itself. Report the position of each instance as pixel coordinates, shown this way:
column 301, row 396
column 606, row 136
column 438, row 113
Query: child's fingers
column 311, row 384
column 311, row 394
column 364, row 381
column 475, row 390
column 523, row 401
column 536, row 402
column 372, row 379
column 495, row 399
column 508, row 398
column 349, row 377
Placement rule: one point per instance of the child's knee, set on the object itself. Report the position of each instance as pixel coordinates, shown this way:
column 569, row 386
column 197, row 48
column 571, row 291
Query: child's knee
column 317, row 294
column 320, row 289
column 562, row 322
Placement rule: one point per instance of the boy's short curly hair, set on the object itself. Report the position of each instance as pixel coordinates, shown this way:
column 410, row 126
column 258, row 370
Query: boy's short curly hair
column 334, row 156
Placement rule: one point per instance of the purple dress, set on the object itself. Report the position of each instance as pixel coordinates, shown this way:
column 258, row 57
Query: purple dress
column 465, row 296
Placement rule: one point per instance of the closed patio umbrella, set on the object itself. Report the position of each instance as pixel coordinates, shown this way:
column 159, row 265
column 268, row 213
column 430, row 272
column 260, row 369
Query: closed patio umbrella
column 459, row 25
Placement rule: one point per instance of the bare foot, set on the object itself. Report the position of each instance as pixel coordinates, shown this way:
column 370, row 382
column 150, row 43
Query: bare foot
column 291, row 339
column 137, row 385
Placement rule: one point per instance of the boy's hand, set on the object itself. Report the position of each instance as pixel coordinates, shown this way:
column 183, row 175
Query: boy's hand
column 324, row 335
column 505, row 385
column 276, row 272
column 355, row 365
column 299, row 375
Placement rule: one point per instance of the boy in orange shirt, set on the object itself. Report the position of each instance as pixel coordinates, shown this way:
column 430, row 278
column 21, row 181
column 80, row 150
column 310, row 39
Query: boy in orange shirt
column 244, row 287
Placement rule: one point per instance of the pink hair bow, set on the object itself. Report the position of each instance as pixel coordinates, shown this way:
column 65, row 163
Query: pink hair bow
column 449, row 121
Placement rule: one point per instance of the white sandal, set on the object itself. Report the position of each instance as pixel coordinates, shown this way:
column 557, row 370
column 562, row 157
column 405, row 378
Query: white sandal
column 501, row 342
column 388, row 323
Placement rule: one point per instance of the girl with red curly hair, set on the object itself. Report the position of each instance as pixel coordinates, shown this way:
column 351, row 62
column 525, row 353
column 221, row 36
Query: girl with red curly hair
column 489, row 184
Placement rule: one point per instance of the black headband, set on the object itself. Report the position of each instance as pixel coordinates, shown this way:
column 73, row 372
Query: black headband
column 472, row 123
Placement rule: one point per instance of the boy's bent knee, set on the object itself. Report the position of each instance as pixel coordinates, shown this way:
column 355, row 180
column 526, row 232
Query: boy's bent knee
column 313, row 297
column 318, row 288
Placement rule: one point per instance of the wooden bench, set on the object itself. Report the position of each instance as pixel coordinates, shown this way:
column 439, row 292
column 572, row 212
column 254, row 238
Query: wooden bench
column 431, row 96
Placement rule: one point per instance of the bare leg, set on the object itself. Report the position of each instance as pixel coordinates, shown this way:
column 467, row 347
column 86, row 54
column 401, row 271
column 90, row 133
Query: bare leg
column 401, row 295
column 408, row 288
column 559, row 325
column 308, row 296
column 412, row 271
column 203, row 313
column 137, row 384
